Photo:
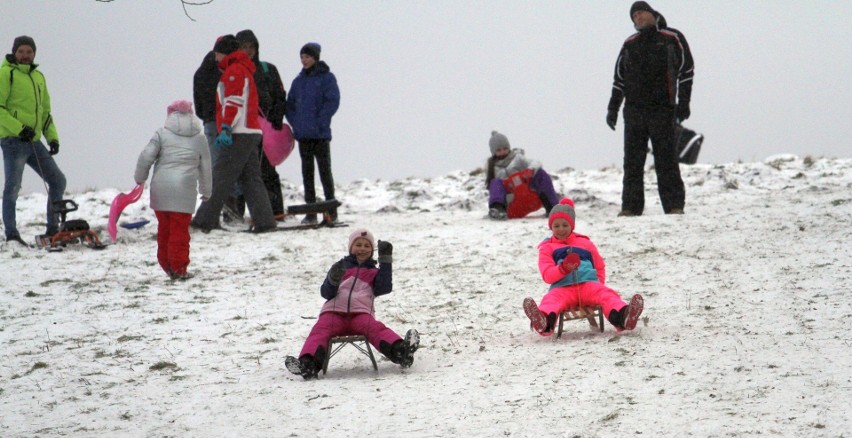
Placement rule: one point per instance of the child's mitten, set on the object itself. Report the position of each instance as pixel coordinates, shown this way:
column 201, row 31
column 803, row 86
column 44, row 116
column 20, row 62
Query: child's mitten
column 569, row 263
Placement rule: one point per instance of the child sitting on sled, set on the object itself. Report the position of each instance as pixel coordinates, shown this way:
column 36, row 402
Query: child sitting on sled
column 571, row 265
column 181, row 159
column 351, row 286
column 516, row 185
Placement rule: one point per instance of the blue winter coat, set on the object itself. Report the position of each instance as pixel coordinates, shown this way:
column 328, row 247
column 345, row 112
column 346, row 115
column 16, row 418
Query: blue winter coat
column 313, row 100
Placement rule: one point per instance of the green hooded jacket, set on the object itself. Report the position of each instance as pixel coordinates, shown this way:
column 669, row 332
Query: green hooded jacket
column 24, row 101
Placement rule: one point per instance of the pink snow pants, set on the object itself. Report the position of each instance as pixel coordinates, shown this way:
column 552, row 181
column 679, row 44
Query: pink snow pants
column 331, row 324
column 586, row 294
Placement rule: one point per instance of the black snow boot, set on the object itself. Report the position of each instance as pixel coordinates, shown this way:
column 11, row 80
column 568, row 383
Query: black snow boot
column 551, row 322
column 617, row 317
column 545, row 203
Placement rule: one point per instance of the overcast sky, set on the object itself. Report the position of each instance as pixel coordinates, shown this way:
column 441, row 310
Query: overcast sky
column 423, row 83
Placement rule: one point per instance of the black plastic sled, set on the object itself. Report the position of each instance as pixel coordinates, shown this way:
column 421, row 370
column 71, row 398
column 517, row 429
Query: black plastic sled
column 688, row 144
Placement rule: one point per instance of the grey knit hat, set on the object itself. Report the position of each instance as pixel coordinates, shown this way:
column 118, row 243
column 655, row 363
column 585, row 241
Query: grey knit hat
column 498, row 141
column 564, row 210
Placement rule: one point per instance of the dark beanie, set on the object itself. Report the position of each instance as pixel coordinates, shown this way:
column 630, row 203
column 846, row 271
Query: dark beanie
column 23, row 40
column 640, row 6
column 311, row 49
column 226, row 45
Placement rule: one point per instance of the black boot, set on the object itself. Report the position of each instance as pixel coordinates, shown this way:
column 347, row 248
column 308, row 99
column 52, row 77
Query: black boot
column 551, row 322
column 545, row 203
column 617, row 317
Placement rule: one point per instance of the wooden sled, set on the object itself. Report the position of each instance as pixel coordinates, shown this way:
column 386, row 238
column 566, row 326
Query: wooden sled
column 586, row 312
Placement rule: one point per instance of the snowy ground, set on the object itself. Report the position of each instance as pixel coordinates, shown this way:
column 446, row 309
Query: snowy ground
column 745, row 330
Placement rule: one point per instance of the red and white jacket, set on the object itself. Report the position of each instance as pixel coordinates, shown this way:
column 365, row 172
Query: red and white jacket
column 236, row 95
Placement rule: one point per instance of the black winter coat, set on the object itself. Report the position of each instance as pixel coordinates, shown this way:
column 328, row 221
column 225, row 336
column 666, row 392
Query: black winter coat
column 204, row 88
column 654, row 69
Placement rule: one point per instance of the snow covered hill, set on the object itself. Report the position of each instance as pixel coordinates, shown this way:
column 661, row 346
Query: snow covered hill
column 745, row 330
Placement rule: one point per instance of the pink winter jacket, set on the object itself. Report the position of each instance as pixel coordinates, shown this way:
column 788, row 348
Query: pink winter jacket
column 358, row 288
column 552, row 251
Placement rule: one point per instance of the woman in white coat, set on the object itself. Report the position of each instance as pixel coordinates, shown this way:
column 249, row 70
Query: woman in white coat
column 181, row 159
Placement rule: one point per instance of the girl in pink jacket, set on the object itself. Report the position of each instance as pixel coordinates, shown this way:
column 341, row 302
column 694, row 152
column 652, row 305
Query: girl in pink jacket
column 350, row 289
column 571, row 265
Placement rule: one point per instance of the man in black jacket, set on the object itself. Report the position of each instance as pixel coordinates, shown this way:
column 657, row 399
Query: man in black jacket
column 272, row 100
column 653, row 76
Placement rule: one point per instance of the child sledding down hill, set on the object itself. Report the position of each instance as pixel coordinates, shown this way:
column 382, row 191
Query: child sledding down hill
column 350, row 288
column 571, row 265
column 514, row 182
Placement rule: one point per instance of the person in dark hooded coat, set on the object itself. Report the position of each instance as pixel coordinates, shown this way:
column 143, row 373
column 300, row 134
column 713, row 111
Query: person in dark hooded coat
column 653, row 77
column 273, row 102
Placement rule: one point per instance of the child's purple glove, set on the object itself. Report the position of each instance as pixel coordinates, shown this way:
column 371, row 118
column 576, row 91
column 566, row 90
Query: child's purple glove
column 569, row 263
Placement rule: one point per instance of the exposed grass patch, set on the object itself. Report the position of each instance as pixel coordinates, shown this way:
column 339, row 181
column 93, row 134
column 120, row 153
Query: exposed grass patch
column 125, row 338
column 160, row 366
column 30, row 294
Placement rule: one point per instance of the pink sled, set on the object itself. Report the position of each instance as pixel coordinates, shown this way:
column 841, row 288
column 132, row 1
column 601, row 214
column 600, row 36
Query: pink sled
column 122, row 200
column 277, row 145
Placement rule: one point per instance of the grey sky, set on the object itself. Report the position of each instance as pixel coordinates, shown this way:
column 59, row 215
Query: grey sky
column 423, row 83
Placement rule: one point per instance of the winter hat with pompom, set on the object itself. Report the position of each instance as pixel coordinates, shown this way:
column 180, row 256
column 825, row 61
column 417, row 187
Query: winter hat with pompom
column 498, row 141
column 564, row 210
column 361, row 233
column 181, row 106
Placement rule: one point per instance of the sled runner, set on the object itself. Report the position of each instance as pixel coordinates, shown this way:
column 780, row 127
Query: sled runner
column 357, row 341
column 325, row 208
column 70, row 231
column 585, row 312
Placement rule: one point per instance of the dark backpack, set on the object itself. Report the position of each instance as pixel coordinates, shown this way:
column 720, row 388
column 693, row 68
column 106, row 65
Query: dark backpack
column 688, row 144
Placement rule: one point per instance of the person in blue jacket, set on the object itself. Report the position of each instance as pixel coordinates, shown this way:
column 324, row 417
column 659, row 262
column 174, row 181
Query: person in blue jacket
column 313, row 100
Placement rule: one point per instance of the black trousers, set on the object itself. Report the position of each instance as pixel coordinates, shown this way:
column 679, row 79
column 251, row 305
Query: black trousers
column 319, row 150
column 658, row 126
column 272, row 182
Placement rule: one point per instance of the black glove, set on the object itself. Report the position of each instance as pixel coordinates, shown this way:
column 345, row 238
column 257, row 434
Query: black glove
column 277, row 124
column 54, row 147
column 385, row 252
column 611, row 118
column 335, row 274
column 683, row 110
column 27, row 134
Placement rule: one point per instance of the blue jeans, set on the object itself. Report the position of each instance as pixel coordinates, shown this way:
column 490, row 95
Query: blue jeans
column 16, row 154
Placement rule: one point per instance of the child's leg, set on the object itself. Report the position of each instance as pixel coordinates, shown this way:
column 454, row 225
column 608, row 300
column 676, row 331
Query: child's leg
column 179, row 241
column 163, row 228
column 376, row 332
column 496, row 193
column 559, row 299
column 543, row 185
column 597, row 294
column 329, row 325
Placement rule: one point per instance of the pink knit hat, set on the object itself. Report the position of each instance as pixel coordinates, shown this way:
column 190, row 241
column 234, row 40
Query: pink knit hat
column 564, row 210
column 181, row 106
column 361, row 233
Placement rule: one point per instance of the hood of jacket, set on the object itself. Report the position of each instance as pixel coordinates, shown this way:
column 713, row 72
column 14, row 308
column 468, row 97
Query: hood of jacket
column 318, row 68
column 238, row 57
column 183, row 124
column 13, row 63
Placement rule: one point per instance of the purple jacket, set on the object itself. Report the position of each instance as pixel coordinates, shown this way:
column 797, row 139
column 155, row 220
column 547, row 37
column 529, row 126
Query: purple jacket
column 360, row 285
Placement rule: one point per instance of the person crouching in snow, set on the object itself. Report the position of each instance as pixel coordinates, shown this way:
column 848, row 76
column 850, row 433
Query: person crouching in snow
column 571, row 265
column 351, row 286
column 181, row 159
column 508, row 168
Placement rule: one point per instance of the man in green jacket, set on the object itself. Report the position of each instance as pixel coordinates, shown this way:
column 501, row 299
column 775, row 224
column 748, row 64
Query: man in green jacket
column 24, row 118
